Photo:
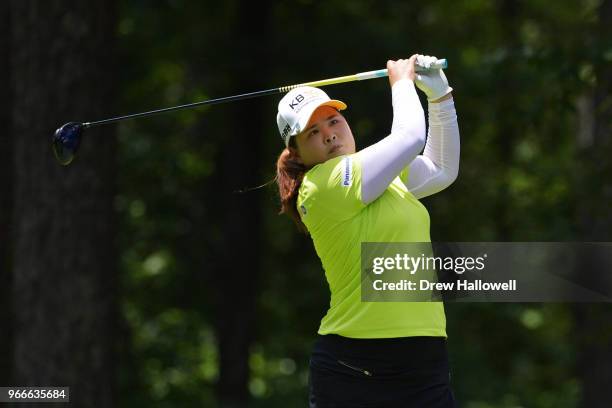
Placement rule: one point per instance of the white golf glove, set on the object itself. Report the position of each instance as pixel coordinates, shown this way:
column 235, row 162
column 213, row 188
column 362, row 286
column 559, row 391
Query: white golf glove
column 433, row 83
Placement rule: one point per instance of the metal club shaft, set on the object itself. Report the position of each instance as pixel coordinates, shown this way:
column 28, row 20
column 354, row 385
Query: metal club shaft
column 67, row 138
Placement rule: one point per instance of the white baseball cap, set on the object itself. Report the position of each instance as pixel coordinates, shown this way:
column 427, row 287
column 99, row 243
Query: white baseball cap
column 296, row 108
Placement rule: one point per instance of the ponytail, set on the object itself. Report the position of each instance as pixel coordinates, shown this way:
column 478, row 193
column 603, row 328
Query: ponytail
column 289, row 176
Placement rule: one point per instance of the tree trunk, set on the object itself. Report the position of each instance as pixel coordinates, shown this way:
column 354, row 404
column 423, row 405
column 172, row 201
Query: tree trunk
column 6, row 197
column 242, row 243
column 64, row 256
column 593, row 335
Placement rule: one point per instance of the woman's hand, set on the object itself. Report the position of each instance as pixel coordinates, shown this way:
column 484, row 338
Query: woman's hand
column 401, row 69
column 433, row 83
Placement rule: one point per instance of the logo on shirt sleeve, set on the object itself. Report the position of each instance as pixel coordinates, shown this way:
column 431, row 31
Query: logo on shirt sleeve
column 347, row 177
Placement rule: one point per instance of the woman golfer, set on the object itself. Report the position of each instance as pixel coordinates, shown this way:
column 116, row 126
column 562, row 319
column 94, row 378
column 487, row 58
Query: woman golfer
column 371, row 354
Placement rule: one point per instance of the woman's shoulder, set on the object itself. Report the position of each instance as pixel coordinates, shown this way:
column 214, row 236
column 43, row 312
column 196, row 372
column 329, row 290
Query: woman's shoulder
column 337, row 172
column 331, row 189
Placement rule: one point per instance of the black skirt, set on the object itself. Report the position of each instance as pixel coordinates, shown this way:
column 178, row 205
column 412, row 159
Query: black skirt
column 398, row 372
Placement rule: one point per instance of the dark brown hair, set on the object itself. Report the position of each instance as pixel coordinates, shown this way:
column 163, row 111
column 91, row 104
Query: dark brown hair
column 289, row 175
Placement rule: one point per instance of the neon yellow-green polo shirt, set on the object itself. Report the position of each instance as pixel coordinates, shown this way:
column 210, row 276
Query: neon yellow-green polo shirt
column 329, row 203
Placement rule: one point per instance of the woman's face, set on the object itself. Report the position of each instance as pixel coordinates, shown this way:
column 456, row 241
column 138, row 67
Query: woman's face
column 326, row 136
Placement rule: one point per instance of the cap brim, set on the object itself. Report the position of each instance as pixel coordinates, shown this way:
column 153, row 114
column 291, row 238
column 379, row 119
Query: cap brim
column 334, row 103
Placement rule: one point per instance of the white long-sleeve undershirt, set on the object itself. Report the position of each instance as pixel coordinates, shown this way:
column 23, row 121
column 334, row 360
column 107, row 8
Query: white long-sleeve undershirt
column 430, row 172
column 384, row 160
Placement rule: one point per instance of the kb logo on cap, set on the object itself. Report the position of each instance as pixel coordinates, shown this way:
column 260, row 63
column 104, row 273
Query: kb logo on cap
column 296, row 101
column 299, row 98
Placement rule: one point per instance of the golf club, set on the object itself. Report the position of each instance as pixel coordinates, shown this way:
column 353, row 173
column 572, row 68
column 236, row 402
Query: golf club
column 67, row 138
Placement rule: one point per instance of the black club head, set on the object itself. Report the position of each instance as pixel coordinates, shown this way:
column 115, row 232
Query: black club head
column 66, row 141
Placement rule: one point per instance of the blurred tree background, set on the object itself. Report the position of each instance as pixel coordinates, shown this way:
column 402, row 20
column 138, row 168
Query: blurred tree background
column 218, row 298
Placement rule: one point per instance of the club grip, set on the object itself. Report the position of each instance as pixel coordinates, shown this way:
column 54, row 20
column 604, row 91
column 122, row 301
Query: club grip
column 379, row 73
column 438, row 64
